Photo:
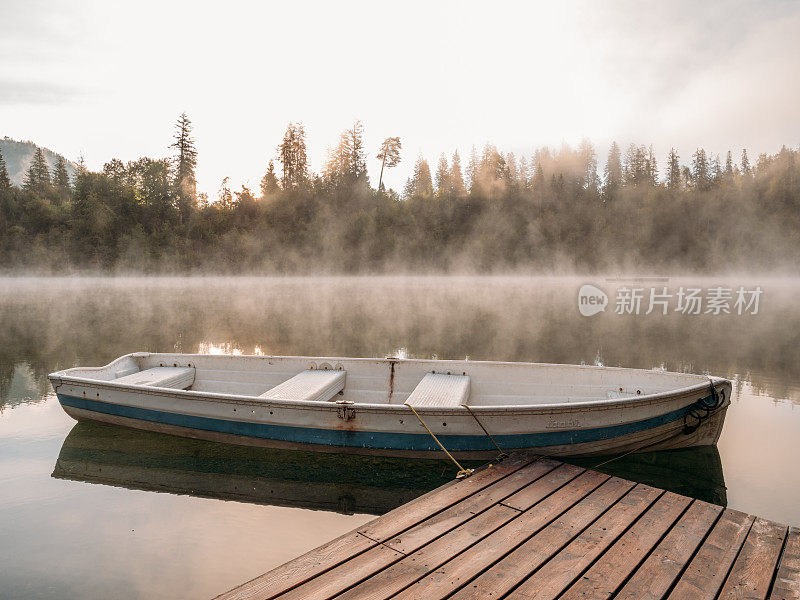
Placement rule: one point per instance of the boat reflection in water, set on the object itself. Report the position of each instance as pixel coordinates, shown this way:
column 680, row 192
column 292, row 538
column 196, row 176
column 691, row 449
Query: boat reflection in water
column 695, row 472
column 133, row 459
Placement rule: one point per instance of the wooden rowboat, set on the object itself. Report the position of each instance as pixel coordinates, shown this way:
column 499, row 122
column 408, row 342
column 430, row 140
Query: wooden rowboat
column 400, row 407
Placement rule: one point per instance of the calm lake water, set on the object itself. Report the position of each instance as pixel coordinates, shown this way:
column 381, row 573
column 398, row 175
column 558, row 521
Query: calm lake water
column 89, row 511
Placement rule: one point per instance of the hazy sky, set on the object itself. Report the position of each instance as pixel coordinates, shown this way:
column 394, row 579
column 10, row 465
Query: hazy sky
column 108, row 79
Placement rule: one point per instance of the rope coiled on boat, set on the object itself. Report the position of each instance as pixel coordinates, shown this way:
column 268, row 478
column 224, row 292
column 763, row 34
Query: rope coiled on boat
column 699, row 410
column 702, row 409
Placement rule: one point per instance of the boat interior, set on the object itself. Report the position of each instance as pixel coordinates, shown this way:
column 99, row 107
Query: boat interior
column 418, row 383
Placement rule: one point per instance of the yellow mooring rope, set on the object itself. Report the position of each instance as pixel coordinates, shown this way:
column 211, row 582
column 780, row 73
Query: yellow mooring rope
column 462, row 472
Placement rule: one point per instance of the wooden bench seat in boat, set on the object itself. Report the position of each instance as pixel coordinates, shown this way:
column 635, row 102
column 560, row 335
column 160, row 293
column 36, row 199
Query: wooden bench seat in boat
column 440, row 390
column 177, row 378
column 314, row 384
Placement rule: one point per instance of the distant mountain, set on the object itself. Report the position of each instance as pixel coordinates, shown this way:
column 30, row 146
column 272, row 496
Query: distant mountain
column 18, row 156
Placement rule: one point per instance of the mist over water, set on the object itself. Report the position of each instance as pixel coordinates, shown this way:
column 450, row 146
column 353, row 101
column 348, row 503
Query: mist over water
column 50, row 324
column 217, row 523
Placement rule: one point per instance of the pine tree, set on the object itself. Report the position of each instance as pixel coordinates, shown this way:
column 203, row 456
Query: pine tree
column 524, row 171
column 185, row 163
column 673, row 171
column 639, row 167
column 588, row 158
column 701, row 176
column 346, row 162
column 537, row 179
column 389, row 155
column 745, row 163
column 358, row 157
column 338, row 164
column 472, row 168
column 716, row 168
column 631, row 166
column 512, row 170
column 293, row 156
column 61, row 179
column 493, row 166
column 457, row 186
column 686, row 176
column 422, row 176
column 729, row 164
column 80, row 168
column 5, row 181
column 442, row 177
column 651, row 167
column 269, row 183
column 420, row 185
column 613, row 171
column 37, row 179
column 763, row 162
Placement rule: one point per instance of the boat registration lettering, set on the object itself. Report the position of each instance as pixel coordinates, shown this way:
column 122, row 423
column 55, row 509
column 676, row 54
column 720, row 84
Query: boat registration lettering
column 563, row 424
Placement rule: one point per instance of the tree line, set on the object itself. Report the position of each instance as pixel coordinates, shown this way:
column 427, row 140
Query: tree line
column 556, row 209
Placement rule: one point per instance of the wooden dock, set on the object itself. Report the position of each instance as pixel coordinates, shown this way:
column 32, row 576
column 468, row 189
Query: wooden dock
column 536, row 528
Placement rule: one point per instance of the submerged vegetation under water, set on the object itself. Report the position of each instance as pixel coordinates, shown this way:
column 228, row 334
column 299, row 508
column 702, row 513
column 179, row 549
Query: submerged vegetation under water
column 553, row 210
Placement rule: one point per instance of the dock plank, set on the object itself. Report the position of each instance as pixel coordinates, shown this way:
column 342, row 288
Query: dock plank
column 654, row 578
column 755, row 566
column 610, row 571
column 415, row 566
column 559, row 573
column 787, row 581
column 460, row 569
column 333, row 553
column 411, row 567
column 539, row 548
column 358, row 568
column 420, row 534
column 707, row 571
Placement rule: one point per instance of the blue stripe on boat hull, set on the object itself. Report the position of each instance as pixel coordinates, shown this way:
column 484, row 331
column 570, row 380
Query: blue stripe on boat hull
column 370, row 439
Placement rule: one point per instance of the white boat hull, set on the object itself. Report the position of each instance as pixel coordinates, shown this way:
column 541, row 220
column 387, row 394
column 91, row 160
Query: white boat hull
column 575, row 426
